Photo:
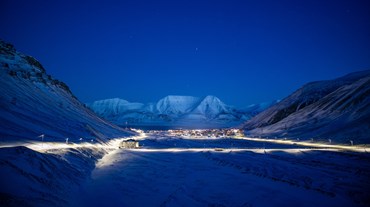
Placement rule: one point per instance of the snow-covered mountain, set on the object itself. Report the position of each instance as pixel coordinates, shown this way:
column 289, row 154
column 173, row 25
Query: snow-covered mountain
column 337, row 109
column 115, row 106
column 175, row 111
column 176, row 105
column 211, row 107
column 33, row 103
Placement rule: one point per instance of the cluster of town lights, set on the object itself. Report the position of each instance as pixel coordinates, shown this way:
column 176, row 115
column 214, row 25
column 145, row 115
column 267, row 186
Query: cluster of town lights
column 206, row 133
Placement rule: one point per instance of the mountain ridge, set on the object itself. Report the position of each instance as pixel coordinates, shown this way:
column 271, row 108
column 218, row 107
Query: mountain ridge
column 336, row 109
column 34, row 103
column 178, row 111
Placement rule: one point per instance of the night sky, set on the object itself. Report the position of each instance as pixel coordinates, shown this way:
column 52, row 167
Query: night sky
column 243, row 52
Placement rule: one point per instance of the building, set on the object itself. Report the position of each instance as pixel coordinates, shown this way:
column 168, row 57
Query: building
column 129, row 144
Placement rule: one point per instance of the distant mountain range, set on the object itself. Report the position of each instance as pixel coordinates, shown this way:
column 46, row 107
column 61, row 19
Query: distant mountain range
column 337, row 109
column 176, row 112
column 33, row 103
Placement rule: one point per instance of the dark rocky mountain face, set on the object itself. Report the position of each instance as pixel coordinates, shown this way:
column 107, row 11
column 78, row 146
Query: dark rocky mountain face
column 336, row 109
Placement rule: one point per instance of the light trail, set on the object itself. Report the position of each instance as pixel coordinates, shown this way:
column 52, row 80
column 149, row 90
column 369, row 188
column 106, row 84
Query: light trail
column 308, row 144
column 45, row 146
column 114, row 144
column 228, row 150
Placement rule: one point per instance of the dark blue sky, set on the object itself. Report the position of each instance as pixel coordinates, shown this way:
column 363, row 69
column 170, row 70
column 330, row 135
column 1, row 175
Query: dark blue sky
column 241, row 51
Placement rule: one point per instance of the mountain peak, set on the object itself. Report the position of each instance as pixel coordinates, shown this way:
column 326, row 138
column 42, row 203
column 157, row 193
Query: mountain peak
column 212, row 99
column 13, row 60
column 211, row 106
column 114, row 100
column 176, row 104
column 176, row 111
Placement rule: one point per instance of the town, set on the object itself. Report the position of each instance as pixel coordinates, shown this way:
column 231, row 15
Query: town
column 210, row 133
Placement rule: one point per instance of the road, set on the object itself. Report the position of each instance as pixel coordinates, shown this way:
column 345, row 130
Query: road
column 179, row 172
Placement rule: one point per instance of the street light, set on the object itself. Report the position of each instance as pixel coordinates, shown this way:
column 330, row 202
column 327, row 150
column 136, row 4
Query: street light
column 42, row 137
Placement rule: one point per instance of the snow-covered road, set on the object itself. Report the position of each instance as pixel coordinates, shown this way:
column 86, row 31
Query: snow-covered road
column 42, row 147
column 180, row 172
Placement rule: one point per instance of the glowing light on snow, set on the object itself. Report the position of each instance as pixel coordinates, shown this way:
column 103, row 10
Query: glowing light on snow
column 228, row 150
column 111, row 145
column 309, row 144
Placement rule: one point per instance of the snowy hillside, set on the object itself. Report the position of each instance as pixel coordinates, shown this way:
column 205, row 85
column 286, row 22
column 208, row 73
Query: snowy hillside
column 176, row 111
column 31, row 178
column 33, row 103
column 170, row 171
column 336, row 109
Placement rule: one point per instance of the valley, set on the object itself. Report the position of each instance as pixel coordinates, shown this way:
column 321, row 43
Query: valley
column 173, row 171
column 309, row 149
column 169, row 170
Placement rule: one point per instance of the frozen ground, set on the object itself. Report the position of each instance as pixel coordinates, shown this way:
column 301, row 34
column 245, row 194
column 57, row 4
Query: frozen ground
column 170, row 171
column 226, row 172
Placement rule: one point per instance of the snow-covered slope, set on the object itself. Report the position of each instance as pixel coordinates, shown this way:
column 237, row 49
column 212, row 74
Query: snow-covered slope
column 114, row 106
column 211, row 106
column 176, row 105
column 337, row 109
column 31, row 178
column 33, row 103
column 175, row 111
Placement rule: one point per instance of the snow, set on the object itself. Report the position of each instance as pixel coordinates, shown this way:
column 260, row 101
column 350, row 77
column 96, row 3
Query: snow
column 338, row 109
column 30, row 178
column 48, row 173
column 176, row 105
column 142, row 179
column 33, row 103
column 172, row 171
column 181, row 172
column 210, row 107
column 175, row 112
column 114, row 106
